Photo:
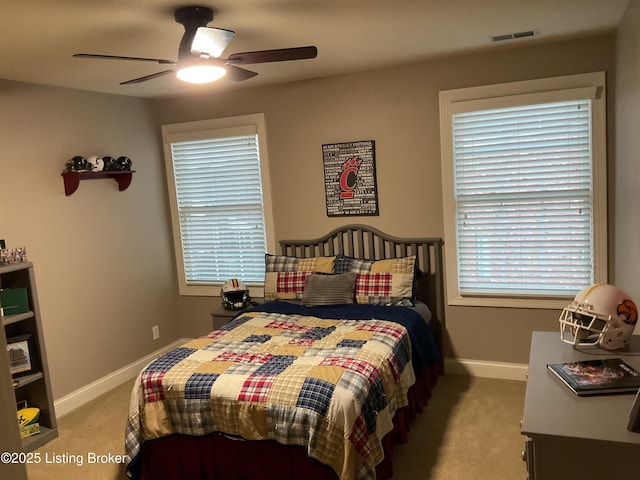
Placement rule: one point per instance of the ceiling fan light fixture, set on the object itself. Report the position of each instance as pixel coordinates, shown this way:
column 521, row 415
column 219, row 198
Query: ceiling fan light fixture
column 210, row 41
column 199, row 52
column 201, row 73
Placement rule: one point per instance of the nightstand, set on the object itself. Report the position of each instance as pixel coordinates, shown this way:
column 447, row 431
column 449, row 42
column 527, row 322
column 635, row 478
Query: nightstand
column 220, row 316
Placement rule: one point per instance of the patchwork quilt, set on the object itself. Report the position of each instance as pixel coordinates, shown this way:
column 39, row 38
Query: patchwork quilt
column 331, row 385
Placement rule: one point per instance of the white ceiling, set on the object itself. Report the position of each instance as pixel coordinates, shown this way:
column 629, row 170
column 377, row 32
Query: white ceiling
column 39, row 37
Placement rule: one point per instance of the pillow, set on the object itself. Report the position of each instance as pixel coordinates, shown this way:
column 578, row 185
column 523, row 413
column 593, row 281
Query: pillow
column 329, row 289
column 381, row 282
column 285, row 276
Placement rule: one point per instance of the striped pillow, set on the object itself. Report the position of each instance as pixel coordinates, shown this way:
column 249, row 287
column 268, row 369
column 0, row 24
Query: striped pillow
column 329, row 289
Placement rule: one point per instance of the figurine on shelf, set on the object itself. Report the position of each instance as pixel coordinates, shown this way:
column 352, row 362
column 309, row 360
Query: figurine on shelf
column 123, row 163
column 13, row 255
column 77, row 164
column 96, row 163
column 110, row 163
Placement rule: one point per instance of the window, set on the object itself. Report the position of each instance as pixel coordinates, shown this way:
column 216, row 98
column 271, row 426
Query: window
column 524, row 184
column 219, row 196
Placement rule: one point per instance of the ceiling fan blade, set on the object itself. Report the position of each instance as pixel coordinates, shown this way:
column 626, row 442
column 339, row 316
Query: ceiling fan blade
column 277, row 55
column 211, row 42
column 147, row 77
column 238, row 74
column 118, row 57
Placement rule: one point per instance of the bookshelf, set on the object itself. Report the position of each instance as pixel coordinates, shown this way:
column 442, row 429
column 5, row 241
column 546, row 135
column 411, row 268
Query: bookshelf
column 28, row 377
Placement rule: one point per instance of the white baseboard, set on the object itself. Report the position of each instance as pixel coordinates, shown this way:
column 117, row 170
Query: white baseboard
column 481, row 368
column 93, row 390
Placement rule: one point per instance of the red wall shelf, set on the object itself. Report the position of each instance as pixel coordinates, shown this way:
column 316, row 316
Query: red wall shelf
column 72, row 179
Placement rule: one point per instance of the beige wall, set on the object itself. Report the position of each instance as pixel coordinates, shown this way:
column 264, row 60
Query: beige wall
column 102, row 258
column 398, row 108
column 627, row 144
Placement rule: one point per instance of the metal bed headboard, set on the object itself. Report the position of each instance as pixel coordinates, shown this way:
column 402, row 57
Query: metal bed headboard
column 361, row 241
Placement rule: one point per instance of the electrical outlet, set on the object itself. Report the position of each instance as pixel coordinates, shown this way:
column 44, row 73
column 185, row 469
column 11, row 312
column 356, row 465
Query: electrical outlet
column 155, row 331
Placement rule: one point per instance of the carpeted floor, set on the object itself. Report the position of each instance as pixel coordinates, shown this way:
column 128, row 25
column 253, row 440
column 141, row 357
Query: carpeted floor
column 470, row 430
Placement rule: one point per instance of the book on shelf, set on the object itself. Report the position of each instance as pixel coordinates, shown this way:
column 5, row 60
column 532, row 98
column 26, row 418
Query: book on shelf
column 602, row 376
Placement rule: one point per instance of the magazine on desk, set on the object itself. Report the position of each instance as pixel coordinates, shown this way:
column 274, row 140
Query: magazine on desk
column 603, row 376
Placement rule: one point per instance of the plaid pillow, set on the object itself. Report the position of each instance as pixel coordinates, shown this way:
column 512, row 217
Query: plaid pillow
column 285, row 276
column 381, row 282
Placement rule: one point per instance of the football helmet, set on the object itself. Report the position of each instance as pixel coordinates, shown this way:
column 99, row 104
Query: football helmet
column 600, row 315
column 235, row 296
column 96, row 164
column 77, row 164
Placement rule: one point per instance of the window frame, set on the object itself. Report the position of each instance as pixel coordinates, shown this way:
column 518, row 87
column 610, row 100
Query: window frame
column 517, row 93
column 219, row 127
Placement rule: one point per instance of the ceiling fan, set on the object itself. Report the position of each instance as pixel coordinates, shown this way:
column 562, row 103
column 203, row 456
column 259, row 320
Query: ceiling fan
column 200, row 50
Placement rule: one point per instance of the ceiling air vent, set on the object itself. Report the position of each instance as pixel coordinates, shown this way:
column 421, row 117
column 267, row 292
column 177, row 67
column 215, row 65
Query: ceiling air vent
column 512, row 36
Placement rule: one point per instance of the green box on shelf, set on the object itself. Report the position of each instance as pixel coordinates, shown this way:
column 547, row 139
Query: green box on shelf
column 14, row 301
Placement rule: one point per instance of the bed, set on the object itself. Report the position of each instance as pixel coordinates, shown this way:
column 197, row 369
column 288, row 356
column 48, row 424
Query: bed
column 318, row 382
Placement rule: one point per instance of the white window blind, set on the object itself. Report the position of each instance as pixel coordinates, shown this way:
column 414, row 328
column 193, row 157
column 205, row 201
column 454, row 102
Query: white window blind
column 523, row 199
column 219, row 201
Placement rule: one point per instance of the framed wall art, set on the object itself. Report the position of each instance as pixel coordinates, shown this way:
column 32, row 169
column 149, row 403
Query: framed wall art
column 350, row 178
column 21, row 355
